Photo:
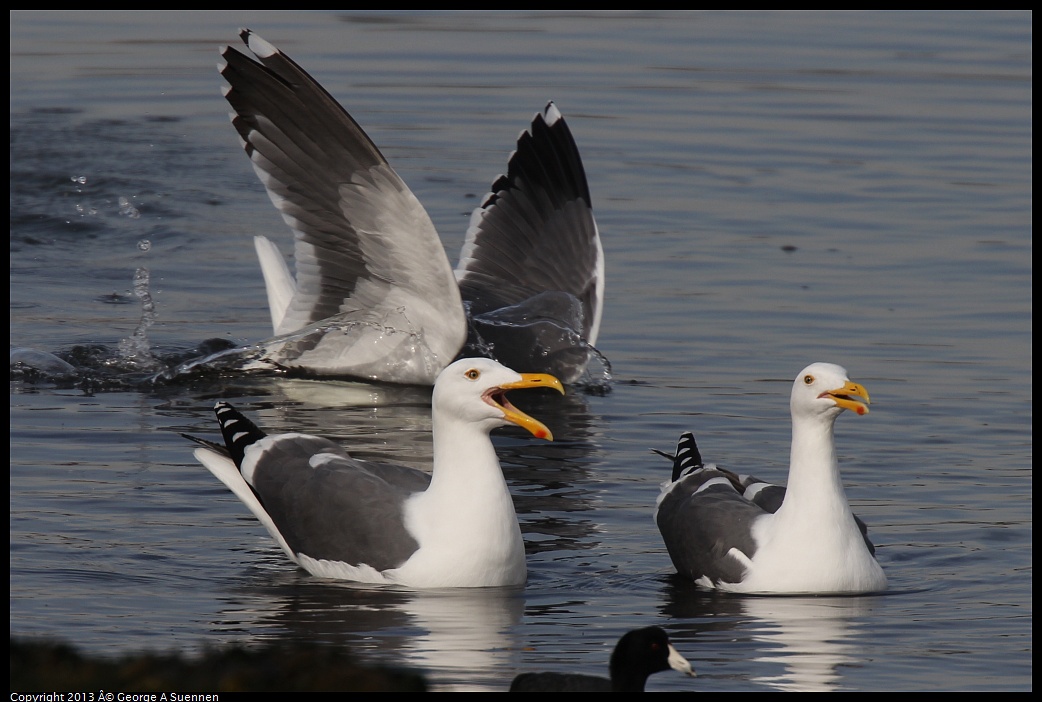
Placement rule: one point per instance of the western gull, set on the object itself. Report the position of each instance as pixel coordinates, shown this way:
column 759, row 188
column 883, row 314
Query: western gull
column 340, row 517
column 638, row 654
column 374, row 295
column 740, row 534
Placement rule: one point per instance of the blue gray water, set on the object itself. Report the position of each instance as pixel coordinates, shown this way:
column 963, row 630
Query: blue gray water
column 772, row 189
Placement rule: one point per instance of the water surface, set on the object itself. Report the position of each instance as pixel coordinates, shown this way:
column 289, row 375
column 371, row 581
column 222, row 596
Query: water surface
column 772, row 189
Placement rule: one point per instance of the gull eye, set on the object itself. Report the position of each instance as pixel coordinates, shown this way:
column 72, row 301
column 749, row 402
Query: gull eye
column 808, row 379
column 472, row 374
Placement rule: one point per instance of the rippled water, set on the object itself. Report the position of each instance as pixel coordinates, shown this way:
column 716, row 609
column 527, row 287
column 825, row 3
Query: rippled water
column 772, row 189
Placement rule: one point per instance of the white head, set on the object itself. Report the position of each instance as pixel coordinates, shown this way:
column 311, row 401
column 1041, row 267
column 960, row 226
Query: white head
column 825, row 389
column 474, row 390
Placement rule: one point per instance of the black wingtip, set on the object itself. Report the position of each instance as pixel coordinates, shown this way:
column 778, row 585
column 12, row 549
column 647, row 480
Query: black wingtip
column 687, row 455
column 239, row 433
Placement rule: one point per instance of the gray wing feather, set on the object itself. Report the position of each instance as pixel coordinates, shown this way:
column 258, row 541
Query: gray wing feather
column 699, row 528
column 330, row 506
column 360, row 232
column 532, row 269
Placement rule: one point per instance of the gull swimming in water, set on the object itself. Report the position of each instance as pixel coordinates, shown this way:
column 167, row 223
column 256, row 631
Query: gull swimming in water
column 740, row 534
column 341, row 517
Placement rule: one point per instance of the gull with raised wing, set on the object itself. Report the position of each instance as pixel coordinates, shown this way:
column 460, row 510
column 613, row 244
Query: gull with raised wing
column 374, row 296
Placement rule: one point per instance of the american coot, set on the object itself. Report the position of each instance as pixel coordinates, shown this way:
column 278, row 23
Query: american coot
column 638, row 654
column 340, row 517
column 738, row 533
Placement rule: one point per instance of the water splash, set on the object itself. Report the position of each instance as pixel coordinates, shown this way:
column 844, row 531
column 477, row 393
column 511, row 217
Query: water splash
column 541, row 333
column 596, row 379
column 26, row 361
column 135, row 352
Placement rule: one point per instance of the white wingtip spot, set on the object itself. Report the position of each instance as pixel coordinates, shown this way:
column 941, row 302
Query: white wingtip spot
column 260, row 47
column 552, row 114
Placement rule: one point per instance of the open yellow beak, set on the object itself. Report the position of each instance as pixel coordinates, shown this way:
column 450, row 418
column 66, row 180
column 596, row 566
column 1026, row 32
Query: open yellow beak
column 851, row 396
column 498, row 397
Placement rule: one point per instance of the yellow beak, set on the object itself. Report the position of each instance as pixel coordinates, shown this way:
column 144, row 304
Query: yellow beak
column 497, row 396
column 851, row 396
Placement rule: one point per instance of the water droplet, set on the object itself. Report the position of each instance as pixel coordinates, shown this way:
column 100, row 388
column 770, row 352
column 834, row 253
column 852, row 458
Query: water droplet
column 128, row 210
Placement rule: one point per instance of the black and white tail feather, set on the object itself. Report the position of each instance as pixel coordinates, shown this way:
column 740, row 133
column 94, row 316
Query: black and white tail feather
column 239, row 433
column 687, row 458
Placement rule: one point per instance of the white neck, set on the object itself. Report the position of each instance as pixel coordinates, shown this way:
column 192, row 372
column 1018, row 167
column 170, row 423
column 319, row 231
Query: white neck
column 465, row 462
column 814, row 483
column 466, row 520
column 812, row 543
